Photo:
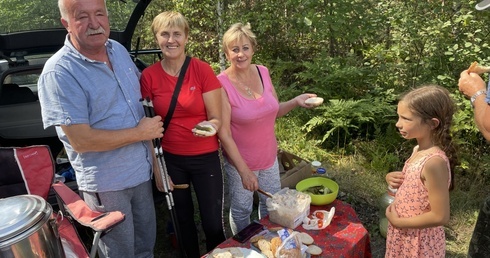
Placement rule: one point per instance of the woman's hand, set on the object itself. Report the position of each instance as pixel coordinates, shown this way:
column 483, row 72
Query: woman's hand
column 395, row 179
column 205, row 129
column 300, row 99
column 250, row 181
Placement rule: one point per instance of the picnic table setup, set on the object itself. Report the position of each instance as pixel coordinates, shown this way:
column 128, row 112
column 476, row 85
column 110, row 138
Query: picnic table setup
column 311, row 208
column 344, row 237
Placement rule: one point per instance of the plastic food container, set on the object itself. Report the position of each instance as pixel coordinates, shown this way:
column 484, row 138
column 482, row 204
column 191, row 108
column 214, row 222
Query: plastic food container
column 315, row 165
column 319, row 199
column 288, row 207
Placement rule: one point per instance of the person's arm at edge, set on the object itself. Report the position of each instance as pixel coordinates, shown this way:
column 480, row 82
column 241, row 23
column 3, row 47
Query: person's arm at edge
column 482, row 114
column 469, row 84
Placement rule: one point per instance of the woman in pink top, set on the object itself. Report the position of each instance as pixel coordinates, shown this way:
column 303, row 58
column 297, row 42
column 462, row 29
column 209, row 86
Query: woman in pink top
column 250, row 107
column 421, row 205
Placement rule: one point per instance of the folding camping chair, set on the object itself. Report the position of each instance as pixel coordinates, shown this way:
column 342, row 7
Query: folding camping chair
column 30, row 170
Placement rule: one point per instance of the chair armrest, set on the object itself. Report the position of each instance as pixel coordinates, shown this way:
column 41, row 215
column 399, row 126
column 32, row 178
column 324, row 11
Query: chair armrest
column 80, row 211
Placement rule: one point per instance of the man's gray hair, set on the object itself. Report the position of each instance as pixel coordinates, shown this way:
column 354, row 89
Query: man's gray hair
column 64, row 12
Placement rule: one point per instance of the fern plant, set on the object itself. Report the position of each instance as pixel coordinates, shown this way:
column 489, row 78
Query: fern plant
column 347, row 119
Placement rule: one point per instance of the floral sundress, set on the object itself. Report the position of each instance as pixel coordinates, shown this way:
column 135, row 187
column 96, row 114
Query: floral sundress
column 412, row 199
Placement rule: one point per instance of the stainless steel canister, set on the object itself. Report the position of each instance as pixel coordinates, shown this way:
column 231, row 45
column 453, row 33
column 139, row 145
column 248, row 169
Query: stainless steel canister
column 27, row 228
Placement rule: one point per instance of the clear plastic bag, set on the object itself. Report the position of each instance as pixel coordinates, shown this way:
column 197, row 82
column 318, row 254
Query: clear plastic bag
column 291, row 245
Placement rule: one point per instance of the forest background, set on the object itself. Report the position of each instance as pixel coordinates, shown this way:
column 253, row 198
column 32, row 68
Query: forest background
column 359, row 55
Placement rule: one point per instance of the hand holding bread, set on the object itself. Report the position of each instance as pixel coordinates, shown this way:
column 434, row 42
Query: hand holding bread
column 204, row 129
column 476, row 68
column 314, row 101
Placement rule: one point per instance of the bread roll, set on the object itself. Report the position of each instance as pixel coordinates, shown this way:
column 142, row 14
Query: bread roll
column 314, row 102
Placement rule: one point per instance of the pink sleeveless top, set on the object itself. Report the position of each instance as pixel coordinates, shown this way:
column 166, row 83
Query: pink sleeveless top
column 412, row 199
column 252, row 122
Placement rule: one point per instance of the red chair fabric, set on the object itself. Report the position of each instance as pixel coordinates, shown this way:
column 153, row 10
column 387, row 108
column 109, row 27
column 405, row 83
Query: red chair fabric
column 77, row 208
column 30, row 170
column 26, row 170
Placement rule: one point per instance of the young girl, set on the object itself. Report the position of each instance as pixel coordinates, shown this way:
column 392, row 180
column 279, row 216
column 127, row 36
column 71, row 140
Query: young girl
column 421, row 205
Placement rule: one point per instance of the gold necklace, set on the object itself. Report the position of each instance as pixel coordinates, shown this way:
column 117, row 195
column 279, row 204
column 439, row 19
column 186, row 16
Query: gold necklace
column 249, row 92
column 175, row 74
column 247, row 89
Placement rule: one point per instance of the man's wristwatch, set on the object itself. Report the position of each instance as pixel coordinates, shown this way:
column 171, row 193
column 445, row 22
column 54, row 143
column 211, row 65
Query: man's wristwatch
column 473, row 98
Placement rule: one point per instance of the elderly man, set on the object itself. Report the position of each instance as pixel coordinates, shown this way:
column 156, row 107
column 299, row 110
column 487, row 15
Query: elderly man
column 89, row 90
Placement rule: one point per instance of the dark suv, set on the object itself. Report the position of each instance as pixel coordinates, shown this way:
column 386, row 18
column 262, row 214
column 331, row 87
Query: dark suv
column 25, row 45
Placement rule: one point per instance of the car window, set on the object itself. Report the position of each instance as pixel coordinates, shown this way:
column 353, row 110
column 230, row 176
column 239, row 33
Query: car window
column 22, row 15
column 24, row 79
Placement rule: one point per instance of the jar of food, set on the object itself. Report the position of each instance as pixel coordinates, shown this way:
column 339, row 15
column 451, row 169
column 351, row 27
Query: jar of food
column 321, row 171
column 315, row 165
column 385, row 200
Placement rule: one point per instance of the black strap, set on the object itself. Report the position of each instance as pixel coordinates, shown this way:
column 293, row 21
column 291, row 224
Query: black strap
column 260, row 75
column 178, row 86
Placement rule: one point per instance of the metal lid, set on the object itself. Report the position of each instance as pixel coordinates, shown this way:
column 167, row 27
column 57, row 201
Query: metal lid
column 21, row 216
column 321, row 170
column 316, row 163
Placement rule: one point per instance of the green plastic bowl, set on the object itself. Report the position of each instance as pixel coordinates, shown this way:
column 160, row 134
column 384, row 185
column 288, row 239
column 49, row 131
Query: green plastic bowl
column 319, row 199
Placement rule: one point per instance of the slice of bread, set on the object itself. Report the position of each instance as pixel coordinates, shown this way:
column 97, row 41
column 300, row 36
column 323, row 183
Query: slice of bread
column 275, row 243
column 305, row 238
column 264, row 245
column 314, row 250
column 204, row 130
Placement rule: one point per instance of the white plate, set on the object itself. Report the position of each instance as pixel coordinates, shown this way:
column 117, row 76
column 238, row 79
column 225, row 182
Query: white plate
column 249, row 253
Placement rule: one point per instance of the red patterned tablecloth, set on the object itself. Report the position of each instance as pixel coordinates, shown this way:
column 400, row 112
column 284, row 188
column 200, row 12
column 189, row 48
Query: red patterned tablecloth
column 344, row 237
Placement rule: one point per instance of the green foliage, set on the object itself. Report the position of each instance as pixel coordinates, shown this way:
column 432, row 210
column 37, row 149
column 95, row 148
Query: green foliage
column 351, row 119
column 19, row 15
column 359, row 55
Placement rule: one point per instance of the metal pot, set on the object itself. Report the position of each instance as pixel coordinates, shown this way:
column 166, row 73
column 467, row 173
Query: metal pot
column 28, row 229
